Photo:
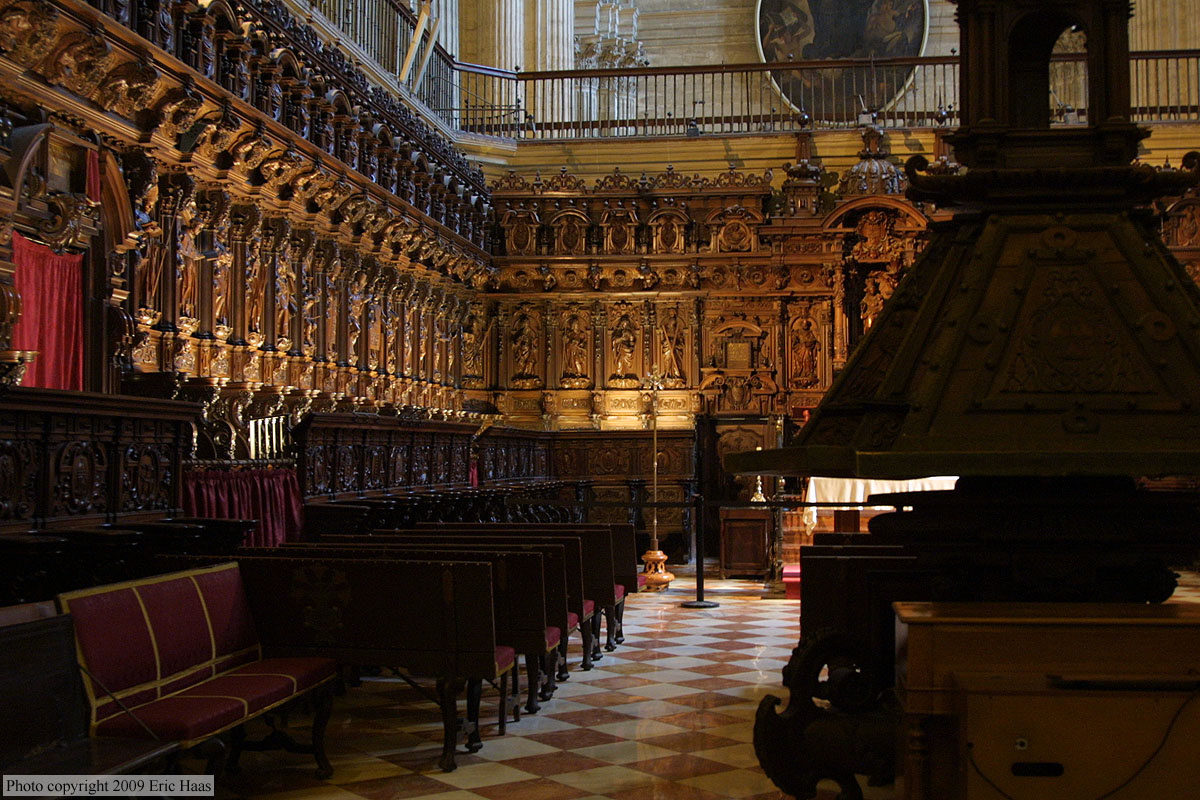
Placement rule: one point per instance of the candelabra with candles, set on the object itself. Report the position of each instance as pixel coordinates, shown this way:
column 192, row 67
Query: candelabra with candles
column 657, row 577
column 758, row 496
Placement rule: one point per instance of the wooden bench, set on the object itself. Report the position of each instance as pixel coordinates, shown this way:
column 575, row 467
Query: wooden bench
column 599, row 582
column 43, row 708
column 560, row 622
column 627, row 578
column 579, row 609
column 430, row 619
column 518, row 595
column 176, row 658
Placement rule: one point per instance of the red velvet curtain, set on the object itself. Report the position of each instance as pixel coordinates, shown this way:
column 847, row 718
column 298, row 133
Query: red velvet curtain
column 271, row 496
column 51, row 289
column 93, row 176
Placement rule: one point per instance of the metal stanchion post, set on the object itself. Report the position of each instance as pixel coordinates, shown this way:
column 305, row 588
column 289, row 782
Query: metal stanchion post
column 698, row 549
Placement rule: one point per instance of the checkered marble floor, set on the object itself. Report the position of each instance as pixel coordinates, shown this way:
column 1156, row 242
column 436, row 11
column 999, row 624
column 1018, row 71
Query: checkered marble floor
column 668, row 715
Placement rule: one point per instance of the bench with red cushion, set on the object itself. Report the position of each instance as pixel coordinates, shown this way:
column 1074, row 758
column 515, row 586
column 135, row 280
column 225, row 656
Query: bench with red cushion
column 518, row 594
column 427, row 618
column 579, row 607
column 609, row 564
column 177, row 657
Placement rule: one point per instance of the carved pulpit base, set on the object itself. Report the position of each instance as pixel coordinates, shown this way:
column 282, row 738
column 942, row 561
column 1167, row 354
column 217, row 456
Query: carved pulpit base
column 657, row 577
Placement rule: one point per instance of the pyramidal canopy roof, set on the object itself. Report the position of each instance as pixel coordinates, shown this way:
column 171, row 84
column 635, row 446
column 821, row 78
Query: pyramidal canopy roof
column 1020, row 343
column 1046, row 331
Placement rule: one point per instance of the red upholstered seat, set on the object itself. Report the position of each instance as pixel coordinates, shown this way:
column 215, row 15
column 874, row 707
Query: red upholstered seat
column 553, row 636
column 641, row 580
column 572, row 621
column 589, row 608
column 255, row 692
column 182, row 719
column 618, row 591
column 505, row 658
column 181, row 652
column 305, row 673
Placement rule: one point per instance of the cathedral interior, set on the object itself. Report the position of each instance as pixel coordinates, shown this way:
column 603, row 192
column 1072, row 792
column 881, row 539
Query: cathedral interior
column 279, row 276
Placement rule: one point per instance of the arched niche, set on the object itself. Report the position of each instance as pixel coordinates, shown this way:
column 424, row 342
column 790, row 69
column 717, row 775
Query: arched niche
column 1031, row 42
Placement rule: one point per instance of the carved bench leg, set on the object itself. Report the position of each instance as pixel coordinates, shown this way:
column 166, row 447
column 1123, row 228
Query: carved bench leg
column 610, row 627
column 237, row 741
column 585, row 631
column 503, row 703
column 215, row 752
column 563, row 674
column 448, row 700
column 323, row 699
column 550, row 669
column 597, row 651
column 533, row 678
column 514, row 701
column 474, row 692
column 620, row 615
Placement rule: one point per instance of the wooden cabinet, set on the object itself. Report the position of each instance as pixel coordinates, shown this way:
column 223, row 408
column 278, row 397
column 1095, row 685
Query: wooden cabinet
column 1048, row 700
column 745, row 541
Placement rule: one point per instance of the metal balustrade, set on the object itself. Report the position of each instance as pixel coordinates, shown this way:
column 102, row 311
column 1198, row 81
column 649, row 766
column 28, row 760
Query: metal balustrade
column 723, row 99
column 746, row 98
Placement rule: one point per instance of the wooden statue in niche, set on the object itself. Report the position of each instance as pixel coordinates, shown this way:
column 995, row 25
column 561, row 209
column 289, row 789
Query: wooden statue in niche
column 474, row 334
column 358, row 299
column 879, row 286
column 575, row 351
column 805, row 348
column 672, row 336
column 526, row 336
column 191, row 224
column 624, row 346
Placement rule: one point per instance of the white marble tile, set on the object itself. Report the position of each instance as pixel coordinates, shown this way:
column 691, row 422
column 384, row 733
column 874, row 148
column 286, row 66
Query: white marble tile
column 474, row 776
column 638, row 729
column 626, row 752
column 649, row 709
column 735, row 783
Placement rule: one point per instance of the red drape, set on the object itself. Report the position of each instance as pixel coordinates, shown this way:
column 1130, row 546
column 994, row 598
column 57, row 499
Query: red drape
column 51, row 289
column 93, row 176
column 271, row 496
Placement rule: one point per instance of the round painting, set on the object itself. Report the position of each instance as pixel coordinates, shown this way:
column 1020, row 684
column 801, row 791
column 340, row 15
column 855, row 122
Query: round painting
column 814, row 30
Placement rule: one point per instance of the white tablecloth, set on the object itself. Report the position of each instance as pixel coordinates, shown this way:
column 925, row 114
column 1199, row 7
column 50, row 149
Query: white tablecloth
column 856, row 490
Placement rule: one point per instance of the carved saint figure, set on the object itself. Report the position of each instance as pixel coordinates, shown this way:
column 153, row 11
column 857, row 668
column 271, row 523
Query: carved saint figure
column 879, row 287
column 358, row 298
column 524, row 339
column 624, row 344
column 374, row 336
column 189, row 251
column 256, row 290
column 149, row 268
column 671, row 338
column 574, row 348
column 804, row 355
column 221, row 261
column 311, row 310
column 474, row 333
column 285, row 302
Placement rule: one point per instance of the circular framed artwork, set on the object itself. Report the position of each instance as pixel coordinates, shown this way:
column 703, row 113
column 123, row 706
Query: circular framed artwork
column 815, row 30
